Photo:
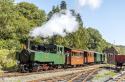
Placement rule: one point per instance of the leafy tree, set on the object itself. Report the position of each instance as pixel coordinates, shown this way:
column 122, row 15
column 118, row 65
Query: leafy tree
column 32, row 13
column 7, row 59
column 53, row 11
column 79, row 19
column 30, row 17
column 95, row 38
column 120, row 48
column 7, row 14
column 63, row 5
column 96, row 42
column 80, row 38
column 57, row 9
column 50, row 14
column 73, row 12
column 16, row 21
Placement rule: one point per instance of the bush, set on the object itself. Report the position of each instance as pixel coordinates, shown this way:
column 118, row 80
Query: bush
column 10, row 44
column 7, row 59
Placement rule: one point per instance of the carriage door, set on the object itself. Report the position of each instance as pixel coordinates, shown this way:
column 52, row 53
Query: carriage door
column 95, row 57
column 68, row 58
column 85, row 57
column 101, row 57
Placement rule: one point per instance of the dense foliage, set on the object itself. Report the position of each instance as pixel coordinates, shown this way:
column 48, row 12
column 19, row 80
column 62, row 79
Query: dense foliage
column 17, row 20
column 120, row 49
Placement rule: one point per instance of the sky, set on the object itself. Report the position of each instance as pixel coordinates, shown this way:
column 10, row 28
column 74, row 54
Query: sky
column 108, row 16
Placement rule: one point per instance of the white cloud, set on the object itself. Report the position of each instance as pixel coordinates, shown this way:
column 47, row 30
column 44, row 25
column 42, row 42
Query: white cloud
column 91, row 3
column 82, row 2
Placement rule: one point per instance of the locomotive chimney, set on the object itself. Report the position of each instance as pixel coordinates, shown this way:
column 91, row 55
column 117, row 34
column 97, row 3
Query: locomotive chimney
column 28, row 44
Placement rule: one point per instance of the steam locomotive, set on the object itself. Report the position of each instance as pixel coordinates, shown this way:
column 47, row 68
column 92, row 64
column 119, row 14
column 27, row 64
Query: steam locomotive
column 51, row 56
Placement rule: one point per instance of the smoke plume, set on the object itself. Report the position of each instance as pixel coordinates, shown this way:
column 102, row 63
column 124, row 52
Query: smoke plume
column 59, row 24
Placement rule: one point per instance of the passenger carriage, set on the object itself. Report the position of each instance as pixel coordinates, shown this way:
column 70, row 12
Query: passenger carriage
column 88, row 57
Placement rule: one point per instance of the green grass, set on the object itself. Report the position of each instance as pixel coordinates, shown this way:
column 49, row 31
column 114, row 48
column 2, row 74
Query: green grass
column 107, row 73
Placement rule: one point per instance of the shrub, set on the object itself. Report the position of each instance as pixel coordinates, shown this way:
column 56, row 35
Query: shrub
column 10, row 44
column 7, row 59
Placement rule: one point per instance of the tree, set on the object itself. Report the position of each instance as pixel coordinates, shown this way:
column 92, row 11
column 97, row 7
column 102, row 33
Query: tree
column 79, row 19
column 50, row 14
column 96, row 42
column 80, row 38
column 95, row 38
column 30, row 17
column 57, row 9
column 63, row 5
column 7, row 14
column 73, row 12
column 53, row 11
column 32, row 13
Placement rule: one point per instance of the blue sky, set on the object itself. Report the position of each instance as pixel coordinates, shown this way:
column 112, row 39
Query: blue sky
column 108, row 16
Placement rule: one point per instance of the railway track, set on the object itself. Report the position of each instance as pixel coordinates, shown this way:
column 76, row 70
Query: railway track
column 56, row 75
column 15, row 74
column 81, row 76
column 119, row 78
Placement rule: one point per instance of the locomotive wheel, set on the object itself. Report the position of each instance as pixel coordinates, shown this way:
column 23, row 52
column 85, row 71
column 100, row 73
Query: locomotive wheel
column 36, row 69
column 51, row 68
column 23, row 69
column 45, row 67
column 65, row 66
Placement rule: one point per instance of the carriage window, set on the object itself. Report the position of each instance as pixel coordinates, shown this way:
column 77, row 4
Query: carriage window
column 80, row 54
column 85, row 54
column 67, row 54
column 74, row 54
column 90, row 54
column 77, row 54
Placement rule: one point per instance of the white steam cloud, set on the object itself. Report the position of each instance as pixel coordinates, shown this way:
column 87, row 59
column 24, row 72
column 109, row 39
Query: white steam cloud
column 59, row 24
column 91, row 3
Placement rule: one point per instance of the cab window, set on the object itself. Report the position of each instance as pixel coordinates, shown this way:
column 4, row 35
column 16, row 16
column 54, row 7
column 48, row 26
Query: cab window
column 60, row 50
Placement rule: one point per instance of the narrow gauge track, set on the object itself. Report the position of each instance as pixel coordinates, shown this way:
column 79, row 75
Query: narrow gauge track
column 15, row 74
column 81, row 76
column 120, row 78
column 57, row 75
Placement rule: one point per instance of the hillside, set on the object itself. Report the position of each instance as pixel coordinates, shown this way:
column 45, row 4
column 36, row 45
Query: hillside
column 121, row 49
